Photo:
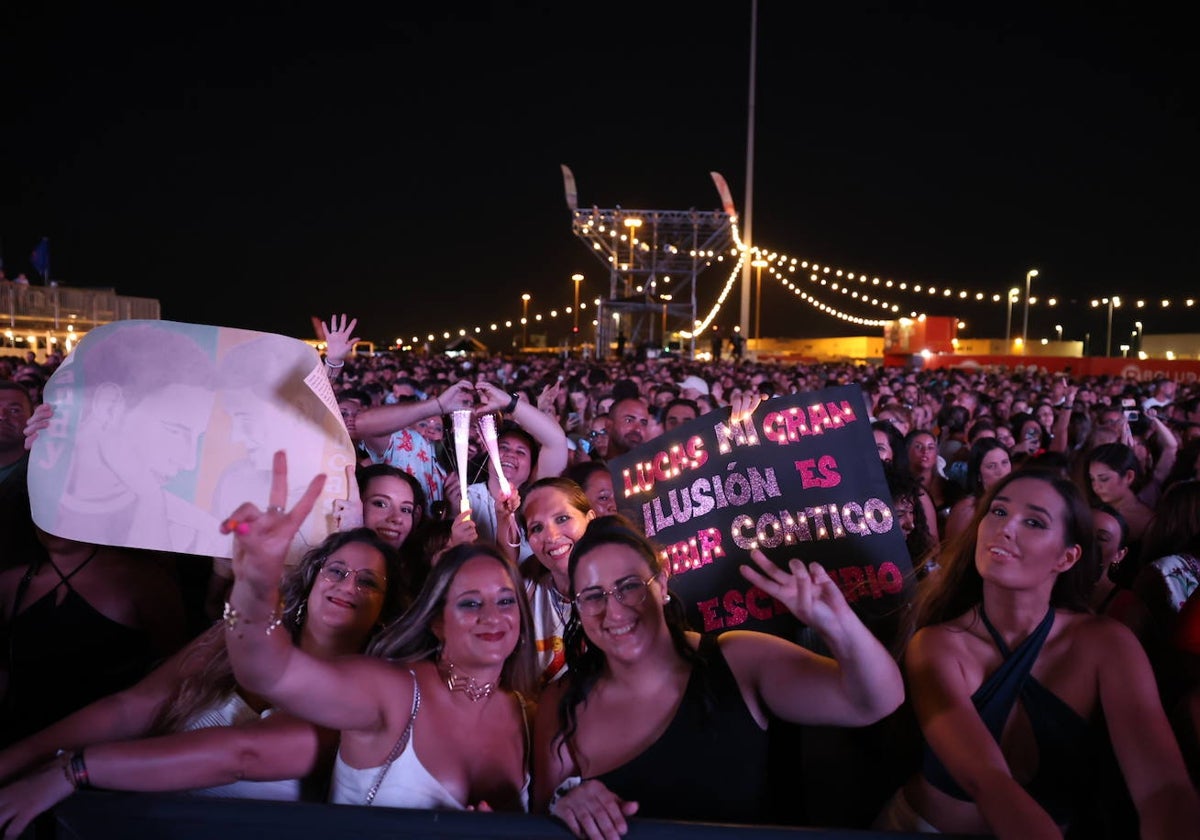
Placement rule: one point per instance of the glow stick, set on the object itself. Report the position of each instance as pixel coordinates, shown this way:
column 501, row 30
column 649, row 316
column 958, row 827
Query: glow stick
column 461, row 417
column 487, row 428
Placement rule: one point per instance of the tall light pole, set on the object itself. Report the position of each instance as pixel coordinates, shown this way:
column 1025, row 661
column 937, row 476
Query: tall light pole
column 1138, row 334
column 665, row 300
column 747, row 218
column 578, row 278
column 1012, row 296
column 1058, row 332
column 1111, row 303
column 524, row 320
column 1029, row 275
column 758, row 264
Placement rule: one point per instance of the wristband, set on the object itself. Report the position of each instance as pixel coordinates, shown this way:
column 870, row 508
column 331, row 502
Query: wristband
column 332, row 365
column 512, row 406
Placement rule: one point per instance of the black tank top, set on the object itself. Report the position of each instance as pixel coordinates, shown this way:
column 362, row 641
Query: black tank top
column 63, row 656
column 711, row 762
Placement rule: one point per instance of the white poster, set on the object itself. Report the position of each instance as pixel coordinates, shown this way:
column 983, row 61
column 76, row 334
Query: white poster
column 161, row 429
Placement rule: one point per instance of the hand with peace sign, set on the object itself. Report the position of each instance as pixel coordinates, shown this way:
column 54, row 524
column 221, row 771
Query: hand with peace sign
column 262, row 537
column 808, row 592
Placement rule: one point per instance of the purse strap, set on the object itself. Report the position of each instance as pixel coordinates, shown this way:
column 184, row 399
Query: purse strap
column 401, row 742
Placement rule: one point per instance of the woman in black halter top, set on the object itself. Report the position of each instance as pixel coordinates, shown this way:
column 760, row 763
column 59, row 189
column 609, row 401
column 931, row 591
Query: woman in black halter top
column 1009, row 671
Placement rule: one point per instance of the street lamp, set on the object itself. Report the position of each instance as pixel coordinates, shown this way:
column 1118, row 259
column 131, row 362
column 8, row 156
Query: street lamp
column 1058, row 332
column 1112, row 303
column 524, row 320
column 758, row 265
column 1012, row 296
column 665, row 300
column 578, row 278
column 1029, row 275
column 1138, row 334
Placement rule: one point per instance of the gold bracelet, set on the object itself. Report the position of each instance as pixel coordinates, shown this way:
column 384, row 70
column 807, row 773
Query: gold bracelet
column 233, row 618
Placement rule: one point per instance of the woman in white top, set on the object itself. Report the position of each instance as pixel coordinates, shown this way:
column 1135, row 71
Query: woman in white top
column 432, row 718
column 189, row 725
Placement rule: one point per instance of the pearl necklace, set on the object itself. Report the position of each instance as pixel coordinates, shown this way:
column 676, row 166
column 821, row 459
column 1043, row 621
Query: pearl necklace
column 468, row 685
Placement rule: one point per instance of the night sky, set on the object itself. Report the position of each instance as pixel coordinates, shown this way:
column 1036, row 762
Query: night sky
column 403, row 165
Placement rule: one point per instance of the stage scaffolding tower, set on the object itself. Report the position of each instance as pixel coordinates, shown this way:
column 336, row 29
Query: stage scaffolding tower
column 653, row 259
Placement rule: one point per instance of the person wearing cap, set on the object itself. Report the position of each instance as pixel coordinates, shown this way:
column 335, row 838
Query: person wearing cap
column 692, row 386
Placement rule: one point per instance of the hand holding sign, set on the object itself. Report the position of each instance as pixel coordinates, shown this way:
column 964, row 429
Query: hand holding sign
column 348, row 512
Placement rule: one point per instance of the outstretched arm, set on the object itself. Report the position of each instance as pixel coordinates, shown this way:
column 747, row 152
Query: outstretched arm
column 859, row 686
column 1142, row 738
column 126, row 714
column 279, row 747
column 347, row 693
column 383, row 420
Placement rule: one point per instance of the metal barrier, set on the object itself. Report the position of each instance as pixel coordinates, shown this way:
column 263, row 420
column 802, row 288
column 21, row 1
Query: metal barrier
column 99, row 815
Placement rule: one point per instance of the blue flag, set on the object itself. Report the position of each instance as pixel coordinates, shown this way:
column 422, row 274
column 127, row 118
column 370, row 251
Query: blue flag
column 41, row 259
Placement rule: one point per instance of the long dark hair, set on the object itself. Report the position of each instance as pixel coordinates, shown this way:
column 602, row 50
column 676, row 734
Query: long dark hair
column 414, row 563
column 410, row 638
column 585, row 662
column 213, row 678
column 958, row 586
column 979, row 449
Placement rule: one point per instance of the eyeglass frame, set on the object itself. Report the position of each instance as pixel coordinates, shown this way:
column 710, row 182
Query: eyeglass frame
column 612, row 593
column 338, row 572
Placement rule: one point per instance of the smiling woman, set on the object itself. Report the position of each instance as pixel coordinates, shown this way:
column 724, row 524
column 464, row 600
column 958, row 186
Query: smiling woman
column 647, row 709
column 190, row 725
column 1006, row 621
column 434, row 719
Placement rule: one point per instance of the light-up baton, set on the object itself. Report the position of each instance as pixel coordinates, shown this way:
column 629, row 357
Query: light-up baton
column 487, row 428
column 461, row 417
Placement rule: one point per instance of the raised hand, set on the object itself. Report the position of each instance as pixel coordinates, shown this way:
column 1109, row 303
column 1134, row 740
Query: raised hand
column 593, row 811
column 262, row 538
column 338, row 340
column 348, row 512
column 744, row 404
column 459, row 395
column 808, row 592
column 39, row 421
column 492, row 398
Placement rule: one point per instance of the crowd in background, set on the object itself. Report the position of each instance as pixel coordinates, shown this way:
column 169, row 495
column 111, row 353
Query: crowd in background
column 1096, row 478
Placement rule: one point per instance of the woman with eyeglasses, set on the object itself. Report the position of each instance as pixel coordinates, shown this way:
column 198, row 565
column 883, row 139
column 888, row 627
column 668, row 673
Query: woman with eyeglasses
column 433, row 717
column 191, row 725
column 657, row 721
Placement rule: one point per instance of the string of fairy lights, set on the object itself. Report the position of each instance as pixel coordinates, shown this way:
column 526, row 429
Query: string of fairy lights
column 825, row 284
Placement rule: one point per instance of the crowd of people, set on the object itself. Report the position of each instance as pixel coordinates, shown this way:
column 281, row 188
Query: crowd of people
column 524, row 652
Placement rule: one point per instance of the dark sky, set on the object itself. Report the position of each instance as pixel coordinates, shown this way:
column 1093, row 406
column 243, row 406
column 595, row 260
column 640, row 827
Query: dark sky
column 403, row 165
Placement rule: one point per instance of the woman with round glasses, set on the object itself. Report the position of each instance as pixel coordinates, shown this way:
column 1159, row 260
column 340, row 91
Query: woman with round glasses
column 657, row 721
column 190, row 725
column 433, row 718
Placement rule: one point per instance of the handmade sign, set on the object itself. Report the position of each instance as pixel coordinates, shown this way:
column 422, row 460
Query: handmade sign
column 161, row 430
column 799, row 478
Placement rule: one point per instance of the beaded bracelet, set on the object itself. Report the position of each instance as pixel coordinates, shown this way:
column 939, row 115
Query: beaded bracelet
column 233, row 618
